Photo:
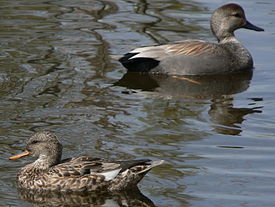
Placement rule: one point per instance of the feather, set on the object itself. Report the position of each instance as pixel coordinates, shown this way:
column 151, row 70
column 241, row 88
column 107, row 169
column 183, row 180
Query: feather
column 110, row 175
column 78, row 174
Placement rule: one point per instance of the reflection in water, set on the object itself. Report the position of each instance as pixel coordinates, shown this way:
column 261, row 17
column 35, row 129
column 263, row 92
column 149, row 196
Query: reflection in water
column 204, row 87
column 227, row 117
column 168, row 18
column 131, row 198
column 217, row 88
column 195, row 87
column 55, row 75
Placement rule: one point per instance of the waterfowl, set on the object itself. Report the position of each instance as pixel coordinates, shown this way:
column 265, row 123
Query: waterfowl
column 82, row 174
column 198, row 57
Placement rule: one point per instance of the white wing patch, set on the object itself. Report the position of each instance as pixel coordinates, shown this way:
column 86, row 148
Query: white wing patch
column 110, row 202
column 124, row 173
column 155, row 52
column 110, row 175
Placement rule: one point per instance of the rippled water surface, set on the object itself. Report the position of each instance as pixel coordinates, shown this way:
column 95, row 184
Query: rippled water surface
column 58, row 72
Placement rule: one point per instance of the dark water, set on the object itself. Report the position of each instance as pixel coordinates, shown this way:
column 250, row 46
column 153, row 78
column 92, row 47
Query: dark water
column 57, row 73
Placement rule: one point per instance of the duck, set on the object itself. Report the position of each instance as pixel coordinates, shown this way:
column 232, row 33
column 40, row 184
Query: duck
column 78, row 174
column 198, row 57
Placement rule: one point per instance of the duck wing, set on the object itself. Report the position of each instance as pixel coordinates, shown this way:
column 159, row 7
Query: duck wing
column 186, row 47
column 189, row 47
column 84, row 165
column 145, row 58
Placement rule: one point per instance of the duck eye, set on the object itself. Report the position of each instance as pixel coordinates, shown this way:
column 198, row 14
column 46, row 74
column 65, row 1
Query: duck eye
column 236, row 15
column 34, row 142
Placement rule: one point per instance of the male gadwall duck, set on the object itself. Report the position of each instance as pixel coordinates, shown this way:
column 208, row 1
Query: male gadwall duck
column 83, row 173
column 197, row 57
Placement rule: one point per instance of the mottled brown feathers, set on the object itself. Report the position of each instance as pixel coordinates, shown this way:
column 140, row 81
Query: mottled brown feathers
column 76, row 174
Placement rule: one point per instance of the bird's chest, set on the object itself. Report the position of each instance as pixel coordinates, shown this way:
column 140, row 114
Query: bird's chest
column 30, row 178
column 240, row 56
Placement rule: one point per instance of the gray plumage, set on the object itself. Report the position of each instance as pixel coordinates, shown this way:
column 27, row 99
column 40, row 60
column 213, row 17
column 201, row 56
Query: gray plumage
column 197, row 57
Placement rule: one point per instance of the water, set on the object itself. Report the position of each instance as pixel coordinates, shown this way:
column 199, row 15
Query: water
column 58, row 73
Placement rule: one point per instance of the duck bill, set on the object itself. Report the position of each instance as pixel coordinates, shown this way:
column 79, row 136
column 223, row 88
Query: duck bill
column 23, row 154
column 251, row 26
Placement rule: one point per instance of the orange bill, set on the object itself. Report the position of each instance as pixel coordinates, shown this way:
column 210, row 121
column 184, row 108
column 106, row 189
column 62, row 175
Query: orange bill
column 23, row 154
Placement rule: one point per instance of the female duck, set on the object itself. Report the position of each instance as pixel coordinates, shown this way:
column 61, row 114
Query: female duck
column 196, row 57
column 83, row 173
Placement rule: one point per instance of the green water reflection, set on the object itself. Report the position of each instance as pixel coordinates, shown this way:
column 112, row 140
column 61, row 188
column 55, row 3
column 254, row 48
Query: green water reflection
column 57, row 72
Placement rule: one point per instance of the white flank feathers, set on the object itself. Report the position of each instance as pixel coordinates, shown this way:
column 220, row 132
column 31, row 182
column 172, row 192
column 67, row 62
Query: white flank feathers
column 110, row 175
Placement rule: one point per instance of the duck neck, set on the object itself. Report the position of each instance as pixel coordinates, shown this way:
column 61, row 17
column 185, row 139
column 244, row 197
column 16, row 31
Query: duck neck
column 222, row 34
column 227, row 39
column 44, row 162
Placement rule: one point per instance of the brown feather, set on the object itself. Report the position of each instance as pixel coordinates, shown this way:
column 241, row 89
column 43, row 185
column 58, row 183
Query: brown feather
column 189, row 47
column 77, row 174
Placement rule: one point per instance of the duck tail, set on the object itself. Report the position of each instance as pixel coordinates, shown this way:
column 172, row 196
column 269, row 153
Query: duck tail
column 131, row 176
column 140, row 171
column 152, row 165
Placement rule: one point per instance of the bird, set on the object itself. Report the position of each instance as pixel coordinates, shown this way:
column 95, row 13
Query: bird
column 78, row 174
column 198, row 57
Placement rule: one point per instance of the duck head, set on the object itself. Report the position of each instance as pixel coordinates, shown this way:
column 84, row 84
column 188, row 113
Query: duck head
column 45, row 146
column 228, row 18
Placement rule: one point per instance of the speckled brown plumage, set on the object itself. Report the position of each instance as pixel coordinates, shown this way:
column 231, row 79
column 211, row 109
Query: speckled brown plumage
column 126, row 198
column 83, row 173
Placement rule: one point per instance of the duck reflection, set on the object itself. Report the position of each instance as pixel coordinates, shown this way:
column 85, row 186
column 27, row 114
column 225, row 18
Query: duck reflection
column 196, row 87
column 131, row 197
column 227, row 118
column 219, row 89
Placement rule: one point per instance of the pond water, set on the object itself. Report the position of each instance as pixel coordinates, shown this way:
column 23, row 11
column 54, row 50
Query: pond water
column 58, row 72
